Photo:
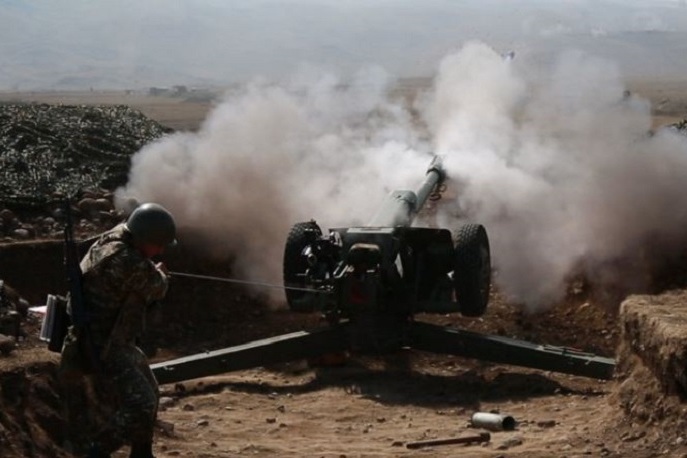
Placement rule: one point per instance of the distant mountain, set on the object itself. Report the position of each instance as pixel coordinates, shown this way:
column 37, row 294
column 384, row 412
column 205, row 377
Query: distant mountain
column 72, row 44
column 658, row 55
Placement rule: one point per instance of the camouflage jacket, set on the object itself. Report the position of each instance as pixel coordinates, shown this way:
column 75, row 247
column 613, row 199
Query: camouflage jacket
column 118, row 285
column 12, row 309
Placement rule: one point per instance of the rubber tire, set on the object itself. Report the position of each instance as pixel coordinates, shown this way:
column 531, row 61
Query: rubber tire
column 472, row 269
column 299, row 237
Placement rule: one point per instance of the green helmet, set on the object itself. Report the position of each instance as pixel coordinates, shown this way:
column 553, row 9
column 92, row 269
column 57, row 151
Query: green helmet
column 152, row 224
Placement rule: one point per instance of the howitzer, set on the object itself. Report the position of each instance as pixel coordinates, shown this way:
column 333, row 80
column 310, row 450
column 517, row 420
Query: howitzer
column 370, row 281
column 389, row 267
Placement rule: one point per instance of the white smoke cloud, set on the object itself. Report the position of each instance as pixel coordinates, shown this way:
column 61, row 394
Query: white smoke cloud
column 562, row 173
column 271, row 156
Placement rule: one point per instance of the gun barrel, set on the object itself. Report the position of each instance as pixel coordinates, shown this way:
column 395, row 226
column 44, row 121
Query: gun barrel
column 401, row 207
column 435, row 176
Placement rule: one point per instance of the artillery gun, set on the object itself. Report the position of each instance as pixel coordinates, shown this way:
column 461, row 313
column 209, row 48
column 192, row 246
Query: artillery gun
column 388, row 268
column 370, row 281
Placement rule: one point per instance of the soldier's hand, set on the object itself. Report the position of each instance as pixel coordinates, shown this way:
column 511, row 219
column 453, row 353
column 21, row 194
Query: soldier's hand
column 162, row 268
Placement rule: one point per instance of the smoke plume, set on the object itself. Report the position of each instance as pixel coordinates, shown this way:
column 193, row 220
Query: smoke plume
column 561, row 170
column 270, row 156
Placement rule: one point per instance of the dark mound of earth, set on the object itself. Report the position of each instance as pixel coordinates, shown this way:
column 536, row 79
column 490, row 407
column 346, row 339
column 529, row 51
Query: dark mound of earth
column 48, row 151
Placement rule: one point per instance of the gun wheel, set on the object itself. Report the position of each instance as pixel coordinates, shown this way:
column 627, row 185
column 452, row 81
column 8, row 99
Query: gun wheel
column 295, row 264
column 472, row 269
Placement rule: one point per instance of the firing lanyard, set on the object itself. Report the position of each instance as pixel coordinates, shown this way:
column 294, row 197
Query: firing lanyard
column 246, row 282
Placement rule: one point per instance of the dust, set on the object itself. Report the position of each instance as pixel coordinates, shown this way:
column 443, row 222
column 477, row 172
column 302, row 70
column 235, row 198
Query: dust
column 561, row 168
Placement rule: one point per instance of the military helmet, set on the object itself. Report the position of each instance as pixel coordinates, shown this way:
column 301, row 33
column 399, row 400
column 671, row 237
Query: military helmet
column 152, row 224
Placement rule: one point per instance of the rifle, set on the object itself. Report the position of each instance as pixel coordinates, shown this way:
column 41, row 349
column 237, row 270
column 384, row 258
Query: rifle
column 61, row 319
column 79, row 316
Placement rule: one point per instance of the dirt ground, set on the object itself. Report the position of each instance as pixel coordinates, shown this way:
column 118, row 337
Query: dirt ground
column 368, row 406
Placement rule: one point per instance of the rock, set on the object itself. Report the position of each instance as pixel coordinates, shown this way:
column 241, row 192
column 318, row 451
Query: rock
column 43, row 147
column 21, row 234
column 89, row 194
column 546, row 423
column 29, row 228
column 271, row 420
column 23, row 307
column 165, row 427
column 511, row 442
column 202, row 422
column 104, row 205
column 87, row 206
column 7, row 344
column 7, row 216
column 167, row 401
column 188, row 408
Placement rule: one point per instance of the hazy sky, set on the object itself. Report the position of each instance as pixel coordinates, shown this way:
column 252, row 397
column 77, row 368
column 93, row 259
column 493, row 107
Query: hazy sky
column 145, row 42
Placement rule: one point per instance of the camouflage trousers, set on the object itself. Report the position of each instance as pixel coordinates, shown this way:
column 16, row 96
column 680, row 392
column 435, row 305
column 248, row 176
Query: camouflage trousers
column 135, row 390
column 123, row 380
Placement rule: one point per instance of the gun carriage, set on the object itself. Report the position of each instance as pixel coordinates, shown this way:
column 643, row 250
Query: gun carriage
column 370, row 282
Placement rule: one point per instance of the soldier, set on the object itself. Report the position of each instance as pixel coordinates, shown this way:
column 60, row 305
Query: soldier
column 12, row 310
column 119, row 282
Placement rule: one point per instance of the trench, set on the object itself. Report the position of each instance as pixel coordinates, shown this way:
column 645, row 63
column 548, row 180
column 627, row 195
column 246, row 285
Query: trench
column 196, row 316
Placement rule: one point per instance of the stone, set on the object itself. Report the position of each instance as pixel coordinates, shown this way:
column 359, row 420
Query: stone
column 510, row 442
column 21, row 233
column 103, row 205
column 87, row 206
column 166, row 427
column 7, row 216
column 7, row 344
column 167, row 401
column 546, row 423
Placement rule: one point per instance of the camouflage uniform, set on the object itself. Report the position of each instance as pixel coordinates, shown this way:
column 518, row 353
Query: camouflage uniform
column 12, row 309
column 118, row 285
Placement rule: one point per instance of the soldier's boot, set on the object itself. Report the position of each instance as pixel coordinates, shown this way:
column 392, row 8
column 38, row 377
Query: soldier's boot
column 142, row 450
column 94, row 451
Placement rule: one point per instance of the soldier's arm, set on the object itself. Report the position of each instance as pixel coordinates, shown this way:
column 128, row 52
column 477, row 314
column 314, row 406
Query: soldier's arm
column 150, row 281
column 142, row 277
